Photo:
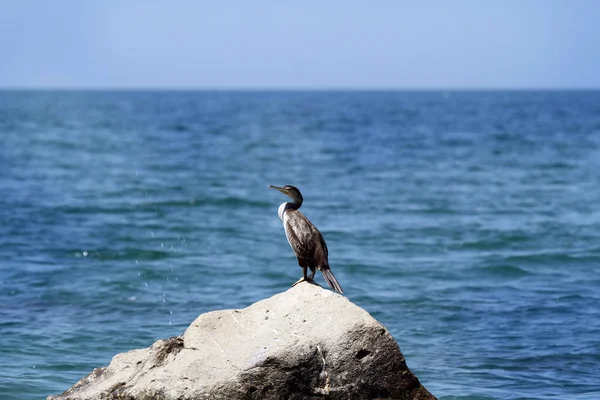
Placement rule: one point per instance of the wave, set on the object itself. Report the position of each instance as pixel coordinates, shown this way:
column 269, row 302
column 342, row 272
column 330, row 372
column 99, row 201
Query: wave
column 505, row 270
column 122, row 254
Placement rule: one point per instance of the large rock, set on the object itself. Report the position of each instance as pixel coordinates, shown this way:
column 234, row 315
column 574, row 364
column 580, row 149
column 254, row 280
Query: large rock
column 305, row 343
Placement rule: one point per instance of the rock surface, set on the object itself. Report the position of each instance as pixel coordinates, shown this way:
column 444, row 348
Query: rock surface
column 305, row 343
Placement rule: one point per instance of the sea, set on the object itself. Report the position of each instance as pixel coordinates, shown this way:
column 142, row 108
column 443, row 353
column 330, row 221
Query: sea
column 467, row 222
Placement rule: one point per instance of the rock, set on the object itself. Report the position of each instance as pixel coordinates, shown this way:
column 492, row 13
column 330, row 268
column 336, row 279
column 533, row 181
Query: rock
column 305, row 343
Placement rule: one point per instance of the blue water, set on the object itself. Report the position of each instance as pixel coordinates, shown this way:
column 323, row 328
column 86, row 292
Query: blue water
column 467, row 222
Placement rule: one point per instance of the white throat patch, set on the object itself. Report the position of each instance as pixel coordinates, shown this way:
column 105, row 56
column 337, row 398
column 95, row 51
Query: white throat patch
column 282, row 208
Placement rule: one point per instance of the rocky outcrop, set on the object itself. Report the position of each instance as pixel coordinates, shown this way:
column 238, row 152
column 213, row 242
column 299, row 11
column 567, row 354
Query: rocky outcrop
column 305, row 343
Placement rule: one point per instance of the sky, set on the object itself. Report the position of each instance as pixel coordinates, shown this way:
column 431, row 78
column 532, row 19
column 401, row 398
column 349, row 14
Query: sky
column 144, row 44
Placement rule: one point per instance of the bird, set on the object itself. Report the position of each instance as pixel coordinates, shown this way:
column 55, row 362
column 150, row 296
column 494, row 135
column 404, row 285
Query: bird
column 305, row 239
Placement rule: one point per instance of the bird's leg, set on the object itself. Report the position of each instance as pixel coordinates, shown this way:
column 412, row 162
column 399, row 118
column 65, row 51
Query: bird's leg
column 304, row 277
column 312, row 276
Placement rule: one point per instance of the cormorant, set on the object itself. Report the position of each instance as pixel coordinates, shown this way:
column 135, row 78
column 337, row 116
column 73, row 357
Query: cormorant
column 304, row 238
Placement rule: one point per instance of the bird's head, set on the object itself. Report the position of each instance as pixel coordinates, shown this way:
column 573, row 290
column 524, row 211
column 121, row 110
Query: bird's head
column 291, row 191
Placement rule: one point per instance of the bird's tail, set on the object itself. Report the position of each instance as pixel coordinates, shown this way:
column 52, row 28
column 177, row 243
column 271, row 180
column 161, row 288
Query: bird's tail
column 330, row 279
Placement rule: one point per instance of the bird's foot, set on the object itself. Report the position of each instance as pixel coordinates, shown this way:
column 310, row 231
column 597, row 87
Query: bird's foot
column 302, row 280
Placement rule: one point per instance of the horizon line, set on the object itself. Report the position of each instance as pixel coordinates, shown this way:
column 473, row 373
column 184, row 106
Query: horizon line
column 290, row 89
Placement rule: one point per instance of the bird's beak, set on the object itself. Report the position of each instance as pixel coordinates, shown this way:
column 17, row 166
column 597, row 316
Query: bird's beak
column 282, row 190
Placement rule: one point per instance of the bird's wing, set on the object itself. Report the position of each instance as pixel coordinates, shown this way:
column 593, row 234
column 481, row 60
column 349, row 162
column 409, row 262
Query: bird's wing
column 299, row 234
column 304, row 238
column 323, row 244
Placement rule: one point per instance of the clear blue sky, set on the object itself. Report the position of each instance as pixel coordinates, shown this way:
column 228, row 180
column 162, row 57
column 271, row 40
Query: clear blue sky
column 305, row 44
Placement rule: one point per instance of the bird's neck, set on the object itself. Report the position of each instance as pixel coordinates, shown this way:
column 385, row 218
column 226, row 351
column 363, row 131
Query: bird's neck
column 295, row 204
column 290, row 205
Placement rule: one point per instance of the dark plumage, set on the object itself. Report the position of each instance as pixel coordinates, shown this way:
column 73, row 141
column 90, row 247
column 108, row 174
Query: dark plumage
column 305, row 239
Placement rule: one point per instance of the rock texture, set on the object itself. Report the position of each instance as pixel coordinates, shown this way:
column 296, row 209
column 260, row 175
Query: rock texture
column 305, row 343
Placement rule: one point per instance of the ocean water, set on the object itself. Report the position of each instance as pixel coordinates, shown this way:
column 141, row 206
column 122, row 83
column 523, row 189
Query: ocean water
column 466, row 222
